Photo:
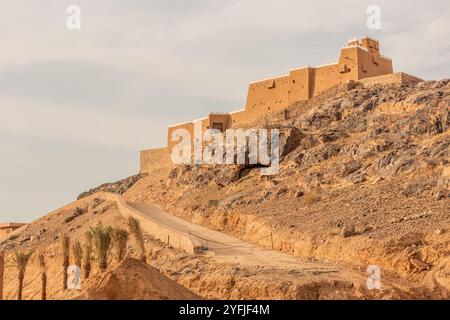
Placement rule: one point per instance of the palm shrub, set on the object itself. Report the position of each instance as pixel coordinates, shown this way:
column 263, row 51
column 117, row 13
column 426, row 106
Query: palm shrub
column 21, row 261
column 88, row 254
column 136, row 231
column 78, row 253
column 65, row 243
column 43, row 267
column 101, row 237
column 120, row 237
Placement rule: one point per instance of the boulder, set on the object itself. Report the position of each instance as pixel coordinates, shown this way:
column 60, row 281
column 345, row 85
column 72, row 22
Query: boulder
column 350, row 167
column 443, row 185
column 348, row 231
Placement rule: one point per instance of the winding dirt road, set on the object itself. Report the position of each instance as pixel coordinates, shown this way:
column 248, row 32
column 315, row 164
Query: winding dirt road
column 228, row 249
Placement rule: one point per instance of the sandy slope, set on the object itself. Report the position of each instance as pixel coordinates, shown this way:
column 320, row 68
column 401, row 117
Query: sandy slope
column 134, row 280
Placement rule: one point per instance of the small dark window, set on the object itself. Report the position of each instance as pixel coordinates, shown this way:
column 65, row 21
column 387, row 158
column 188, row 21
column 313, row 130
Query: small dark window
column 218, row 125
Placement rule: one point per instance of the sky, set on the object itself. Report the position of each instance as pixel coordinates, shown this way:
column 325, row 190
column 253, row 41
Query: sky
column 77, row 106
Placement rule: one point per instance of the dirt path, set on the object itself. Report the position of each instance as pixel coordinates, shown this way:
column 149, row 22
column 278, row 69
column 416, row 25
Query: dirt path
column 227, row 249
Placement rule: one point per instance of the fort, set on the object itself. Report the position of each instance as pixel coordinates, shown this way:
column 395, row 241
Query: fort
column 7, row 228
column 359, row 61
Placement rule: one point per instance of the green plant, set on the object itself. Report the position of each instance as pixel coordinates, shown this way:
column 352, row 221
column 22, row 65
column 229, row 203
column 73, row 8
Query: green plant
column 136, row 231
column 120, row 237
column 102, row 239
column 21, row 261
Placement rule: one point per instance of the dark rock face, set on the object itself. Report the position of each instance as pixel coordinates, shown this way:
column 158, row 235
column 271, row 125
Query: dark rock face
column 118, row 187
column 75, row 214
column 290, row 139
column 350, row 167
column 201, row 175
column 443, row 185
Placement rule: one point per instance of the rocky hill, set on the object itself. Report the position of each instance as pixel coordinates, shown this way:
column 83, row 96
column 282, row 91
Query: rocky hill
column 364, row 180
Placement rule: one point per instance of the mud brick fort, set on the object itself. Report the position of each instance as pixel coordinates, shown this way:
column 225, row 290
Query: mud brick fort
column 359, row 61
column 7, row 228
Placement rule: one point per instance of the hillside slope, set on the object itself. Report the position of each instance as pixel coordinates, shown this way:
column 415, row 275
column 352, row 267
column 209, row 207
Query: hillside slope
column 364, row 180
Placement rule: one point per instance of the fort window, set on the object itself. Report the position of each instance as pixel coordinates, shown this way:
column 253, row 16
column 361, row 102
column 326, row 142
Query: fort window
column 374, row 60
column 218, row 126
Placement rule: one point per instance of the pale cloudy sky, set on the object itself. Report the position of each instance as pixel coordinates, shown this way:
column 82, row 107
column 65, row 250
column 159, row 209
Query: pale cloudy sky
column 77, row 106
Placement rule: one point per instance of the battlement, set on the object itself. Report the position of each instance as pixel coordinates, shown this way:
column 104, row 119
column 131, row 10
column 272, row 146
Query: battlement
column 326, row 64
column 237, row 111
column 270, row 78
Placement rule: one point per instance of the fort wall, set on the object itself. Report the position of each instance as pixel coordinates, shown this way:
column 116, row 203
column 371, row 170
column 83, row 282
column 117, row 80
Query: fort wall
column 154, row 159
column 395, row 78
column 161, row 232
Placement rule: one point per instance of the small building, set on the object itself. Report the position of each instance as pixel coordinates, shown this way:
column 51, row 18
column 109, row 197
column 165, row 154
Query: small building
column 7, row 228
